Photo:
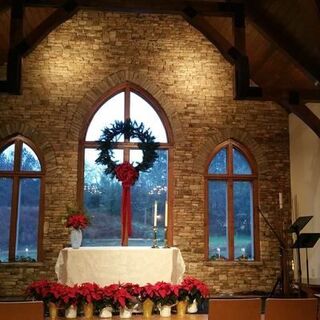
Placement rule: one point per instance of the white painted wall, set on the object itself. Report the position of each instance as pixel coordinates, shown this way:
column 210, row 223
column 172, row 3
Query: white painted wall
column 305, row 185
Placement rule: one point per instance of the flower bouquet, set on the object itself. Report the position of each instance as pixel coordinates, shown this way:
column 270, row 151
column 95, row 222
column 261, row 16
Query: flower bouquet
column 76, row 220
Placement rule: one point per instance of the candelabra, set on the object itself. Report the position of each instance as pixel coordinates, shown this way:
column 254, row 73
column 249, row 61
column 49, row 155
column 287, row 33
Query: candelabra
column 165, row 241
column 155, row 238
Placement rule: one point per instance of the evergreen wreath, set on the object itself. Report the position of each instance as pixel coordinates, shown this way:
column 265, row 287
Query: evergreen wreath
column 129, row 129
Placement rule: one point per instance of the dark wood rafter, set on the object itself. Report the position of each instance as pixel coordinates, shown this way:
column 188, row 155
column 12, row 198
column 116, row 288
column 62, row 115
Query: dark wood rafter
column 14, row 57
column 20, row 46
column 284, row 41
column 236, row 54
column 301, row 111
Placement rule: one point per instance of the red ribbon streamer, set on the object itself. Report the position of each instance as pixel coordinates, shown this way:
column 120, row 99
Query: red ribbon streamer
column 128, row 175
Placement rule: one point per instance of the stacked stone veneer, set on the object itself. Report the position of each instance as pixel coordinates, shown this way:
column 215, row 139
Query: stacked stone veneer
column 94, row 51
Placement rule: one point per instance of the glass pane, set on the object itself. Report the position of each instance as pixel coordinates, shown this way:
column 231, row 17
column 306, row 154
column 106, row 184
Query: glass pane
column 218, row 221
column 5, row 214
column 219, row 162
column 243, row 219
column 29, row 160
column 240, row 163
column 102, row 200
column 149, row 188
column 110, row 111
column 7, row 158
column 142, row 111
column 28, row 220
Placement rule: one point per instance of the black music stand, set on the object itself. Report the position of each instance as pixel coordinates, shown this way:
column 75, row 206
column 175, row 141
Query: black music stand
column 306, row 240
column 296, row 227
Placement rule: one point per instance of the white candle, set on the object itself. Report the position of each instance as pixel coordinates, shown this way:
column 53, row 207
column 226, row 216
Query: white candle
column 218, row 249
column 155, row 214
column 166, row 214
column 280, row 200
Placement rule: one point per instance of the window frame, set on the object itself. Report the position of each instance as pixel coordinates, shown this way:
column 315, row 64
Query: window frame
column 230, row 177
column 128, row 87
column 16, row 175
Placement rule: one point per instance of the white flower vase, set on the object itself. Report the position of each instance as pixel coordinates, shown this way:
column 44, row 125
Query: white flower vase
column 71, row 312
column 125, row 313
column 193, row 307
column 106, row 312
column 165, row 311
column 75, row 238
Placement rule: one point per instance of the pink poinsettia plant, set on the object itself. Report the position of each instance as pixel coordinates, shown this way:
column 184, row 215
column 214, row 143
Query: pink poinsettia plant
column 197, row 290
column 77, row 219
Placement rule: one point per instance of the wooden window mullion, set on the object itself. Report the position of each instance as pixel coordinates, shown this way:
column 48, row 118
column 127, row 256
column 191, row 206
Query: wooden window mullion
column 15, row 201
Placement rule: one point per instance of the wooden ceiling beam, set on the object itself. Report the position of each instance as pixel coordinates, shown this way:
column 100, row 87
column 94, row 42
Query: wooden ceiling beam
column 304, row 113
column 14, row 57
column 236, row 55
column 59, row 16
column 271, row 30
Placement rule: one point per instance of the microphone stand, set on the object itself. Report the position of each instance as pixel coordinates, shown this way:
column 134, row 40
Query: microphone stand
column 283, row 279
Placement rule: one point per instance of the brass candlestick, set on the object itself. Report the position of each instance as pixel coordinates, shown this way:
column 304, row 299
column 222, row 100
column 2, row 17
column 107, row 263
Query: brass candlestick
column 155, row 238
column 165, row 240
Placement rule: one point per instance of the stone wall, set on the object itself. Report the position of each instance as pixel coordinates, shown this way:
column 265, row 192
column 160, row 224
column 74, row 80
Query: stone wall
column 94, row 51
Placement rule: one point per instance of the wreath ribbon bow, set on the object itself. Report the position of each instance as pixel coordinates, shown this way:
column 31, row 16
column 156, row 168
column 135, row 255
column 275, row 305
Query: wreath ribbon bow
column 128, row 175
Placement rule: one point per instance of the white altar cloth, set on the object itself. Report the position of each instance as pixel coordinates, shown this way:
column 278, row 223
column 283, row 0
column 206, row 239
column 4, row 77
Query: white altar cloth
column 107, row 265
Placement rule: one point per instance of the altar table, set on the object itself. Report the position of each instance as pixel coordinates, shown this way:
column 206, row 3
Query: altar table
column 107, row 265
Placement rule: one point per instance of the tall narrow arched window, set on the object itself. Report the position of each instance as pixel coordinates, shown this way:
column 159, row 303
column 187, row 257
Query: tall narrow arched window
column 101, row 194
column 232, row 197
column 21, row 194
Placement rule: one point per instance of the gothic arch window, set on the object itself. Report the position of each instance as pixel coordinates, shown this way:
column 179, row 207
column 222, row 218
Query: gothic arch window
column 21, row 200
column 100, row 194
column 232, row 203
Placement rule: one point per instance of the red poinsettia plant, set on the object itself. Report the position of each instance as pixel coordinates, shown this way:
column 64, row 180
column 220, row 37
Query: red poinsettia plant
column 181, row 292
column 165, row 293
column 89, row 293
column 148, row 291
column 122, row 298
column 196, row 289
column 45, row 290
column 69, row 296
column 106, row 296
column 77, row 219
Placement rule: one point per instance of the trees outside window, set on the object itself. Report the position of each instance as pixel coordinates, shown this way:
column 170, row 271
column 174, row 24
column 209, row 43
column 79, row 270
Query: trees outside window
column 101, row 194
column 232, row 203
column 21, row 194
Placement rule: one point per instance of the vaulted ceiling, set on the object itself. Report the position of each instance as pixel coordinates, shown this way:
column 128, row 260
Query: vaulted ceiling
column 274, row 45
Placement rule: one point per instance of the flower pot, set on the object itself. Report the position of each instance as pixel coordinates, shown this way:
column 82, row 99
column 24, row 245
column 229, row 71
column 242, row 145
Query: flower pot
column 182, row 308
column 88, row 310
column 147, row 308
column 193, row 307
column 106, row 312
column 75, row 238
column 71, row 312
column 165, row 311
column 53, row 310
column 125, row 313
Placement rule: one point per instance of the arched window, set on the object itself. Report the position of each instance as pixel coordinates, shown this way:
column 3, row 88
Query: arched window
column 232, row 199
column 21, row 194
column 100, row 194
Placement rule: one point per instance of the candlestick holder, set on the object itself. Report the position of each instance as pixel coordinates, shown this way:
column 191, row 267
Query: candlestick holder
column 165, row 240
column 155, row 238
